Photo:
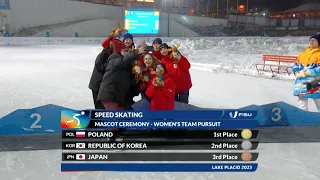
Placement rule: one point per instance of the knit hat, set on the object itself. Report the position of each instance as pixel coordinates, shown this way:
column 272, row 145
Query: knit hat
column 164, row 45
column 128, row 36
column 157, row 41
column 317, row 37
column 118, row 46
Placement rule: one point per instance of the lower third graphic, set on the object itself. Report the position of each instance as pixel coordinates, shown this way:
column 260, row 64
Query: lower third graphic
column 71, row 119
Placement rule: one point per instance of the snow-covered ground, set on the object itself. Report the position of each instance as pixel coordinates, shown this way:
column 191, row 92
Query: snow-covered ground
column 37, row 75
column 223, row 76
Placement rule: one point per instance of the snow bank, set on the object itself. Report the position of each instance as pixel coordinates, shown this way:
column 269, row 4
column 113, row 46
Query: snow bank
column 215, row 54
column 237, row 56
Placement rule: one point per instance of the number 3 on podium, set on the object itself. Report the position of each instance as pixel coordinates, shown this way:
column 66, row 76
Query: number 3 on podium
column 35, row 124
column 276, row 114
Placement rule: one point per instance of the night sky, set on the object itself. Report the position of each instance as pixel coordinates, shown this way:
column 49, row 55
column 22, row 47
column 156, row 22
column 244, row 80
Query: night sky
column 272, row 5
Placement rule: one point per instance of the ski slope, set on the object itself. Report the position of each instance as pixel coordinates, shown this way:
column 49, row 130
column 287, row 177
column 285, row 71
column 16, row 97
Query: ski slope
column 223, row 76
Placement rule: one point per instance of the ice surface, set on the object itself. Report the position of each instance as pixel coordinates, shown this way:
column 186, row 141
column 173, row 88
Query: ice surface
column 223, row 77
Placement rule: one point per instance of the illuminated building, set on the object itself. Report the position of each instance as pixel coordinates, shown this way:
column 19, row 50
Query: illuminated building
column 303, row 11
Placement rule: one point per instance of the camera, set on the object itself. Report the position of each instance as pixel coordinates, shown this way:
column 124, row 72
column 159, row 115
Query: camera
column 149, row 49
column 313, row 84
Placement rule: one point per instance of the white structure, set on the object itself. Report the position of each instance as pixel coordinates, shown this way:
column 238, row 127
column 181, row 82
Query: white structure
column 33, row 13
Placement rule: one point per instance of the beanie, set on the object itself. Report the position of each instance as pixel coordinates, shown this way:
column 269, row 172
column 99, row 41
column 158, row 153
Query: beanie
column 128, row 36
column 157, row 41
column 118, row 46
column 317, row 37
column 164, row 45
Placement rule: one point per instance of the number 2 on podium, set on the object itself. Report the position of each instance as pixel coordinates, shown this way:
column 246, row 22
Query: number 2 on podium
column 35, row 124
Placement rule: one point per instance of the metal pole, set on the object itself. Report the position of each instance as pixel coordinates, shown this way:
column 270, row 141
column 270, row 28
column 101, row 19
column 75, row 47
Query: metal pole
column 197, row 7
column 186, row 7
column 237, row 12
column 168, row 24
column 168, row 14
column 165, row 5
column 208, row 8
column 227, row 7
column 217, row 8
column 247, row 7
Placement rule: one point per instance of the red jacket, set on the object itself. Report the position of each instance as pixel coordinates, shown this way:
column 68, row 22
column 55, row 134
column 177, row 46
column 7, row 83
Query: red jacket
column 140, row 59
column 106, row 42
column 180, row 73
column 162, row 98
column 157, row 55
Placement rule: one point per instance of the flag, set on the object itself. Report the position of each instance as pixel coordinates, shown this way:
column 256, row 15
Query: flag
column 80, row 134
column 80, row 145
column 80, row 157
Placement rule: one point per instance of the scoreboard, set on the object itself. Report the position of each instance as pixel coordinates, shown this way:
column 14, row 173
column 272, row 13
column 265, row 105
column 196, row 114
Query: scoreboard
column 221, row 141
column 224, row 151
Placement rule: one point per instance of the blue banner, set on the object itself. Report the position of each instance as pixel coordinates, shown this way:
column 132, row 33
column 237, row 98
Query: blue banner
column 195, row 114
column 172, row 124
column 4, row 4
column 160, row 167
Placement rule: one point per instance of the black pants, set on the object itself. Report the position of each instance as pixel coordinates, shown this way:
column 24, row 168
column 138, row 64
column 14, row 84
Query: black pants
column 97, row 104
column 183, row 97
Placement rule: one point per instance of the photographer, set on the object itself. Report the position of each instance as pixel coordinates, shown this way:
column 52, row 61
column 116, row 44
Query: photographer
column 307, row 72
column 118, row 76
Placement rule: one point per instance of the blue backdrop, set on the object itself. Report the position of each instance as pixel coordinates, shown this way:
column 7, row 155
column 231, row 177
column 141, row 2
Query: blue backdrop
column 46, row 119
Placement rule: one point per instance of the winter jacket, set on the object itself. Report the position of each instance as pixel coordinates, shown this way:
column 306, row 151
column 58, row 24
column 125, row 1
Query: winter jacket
column 308, row 63
column 117, row 78
column 157, row 55
column 180, row 73
column 134, row 90
column 162, row 98
column 100, row 66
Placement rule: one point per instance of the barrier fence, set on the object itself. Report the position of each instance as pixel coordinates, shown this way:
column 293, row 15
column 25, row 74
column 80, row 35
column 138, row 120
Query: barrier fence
column 23, row 41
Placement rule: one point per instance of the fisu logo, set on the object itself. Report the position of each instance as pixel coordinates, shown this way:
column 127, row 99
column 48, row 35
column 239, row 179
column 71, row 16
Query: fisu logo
column 233, row 116
column 239, row 114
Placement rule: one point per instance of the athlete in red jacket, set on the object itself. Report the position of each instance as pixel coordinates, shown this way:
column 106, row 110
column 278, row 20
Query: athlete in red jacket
column 161, row 91
column 156, row 49
column 178, row 69
column 149, row 65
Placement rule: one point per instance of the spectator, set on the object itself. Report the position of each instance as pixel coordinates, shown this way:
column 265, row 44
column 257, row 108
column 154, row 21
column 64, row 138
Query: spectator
column 307, row 69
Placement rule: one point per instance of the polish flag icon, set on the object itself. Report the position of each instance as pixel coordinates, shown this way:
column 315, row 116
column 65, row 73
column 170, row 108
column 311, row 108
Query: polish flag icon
column 80, row 157
column 80, row 134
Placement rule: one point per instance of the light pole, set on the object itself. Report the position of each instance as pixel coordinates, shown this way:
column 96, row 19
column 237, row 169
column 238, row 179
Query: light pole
column 247, row 7
column 208, row 8
column 237, row 11
column 217, row 8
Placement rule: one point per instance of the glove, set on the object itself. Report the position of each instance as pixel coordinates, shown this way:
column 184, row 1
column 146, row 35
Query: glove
column 301, row 74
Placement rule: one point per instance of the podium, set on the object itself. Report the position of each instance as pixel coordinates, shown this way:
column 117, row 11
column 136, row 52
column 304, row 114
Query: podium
column 46, row 119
